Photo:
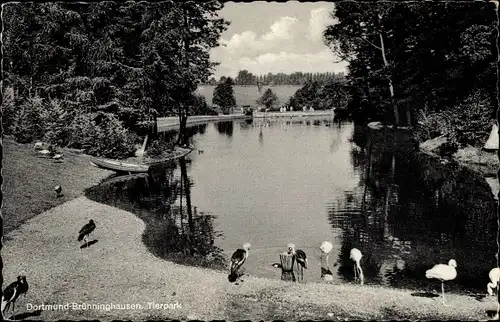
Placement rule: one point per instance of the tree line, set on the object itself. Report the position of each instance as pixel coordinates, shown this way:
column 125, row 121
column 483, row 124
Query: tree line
column 96, row 74
column 428, row 65
column 245, row 77
column 332, row 93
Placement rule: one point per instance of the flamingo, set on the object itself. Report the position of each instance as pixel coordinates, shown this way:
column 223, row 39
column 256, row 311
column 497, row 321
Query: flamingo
column 237, row 260
column 12, row 293
column 86, row 230
column 358, row 272
column 443, row 273
column 301, row 258
column 494, row 278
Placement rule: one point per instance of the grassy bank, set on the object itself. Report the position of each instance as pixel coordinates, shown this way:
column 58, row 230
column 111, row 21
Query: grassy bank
column 483, row 162
column 29, row 181
column 118, row 269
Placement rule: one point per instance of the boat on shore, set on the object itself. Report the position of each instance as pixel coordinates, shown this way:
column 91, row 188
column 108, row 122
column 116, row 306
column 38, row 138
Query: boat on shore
column 127, row 167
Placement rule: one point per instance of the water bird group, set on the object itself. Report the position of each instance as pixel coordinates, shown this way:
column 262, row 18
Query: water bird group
column 86, row 231
column 12, row 293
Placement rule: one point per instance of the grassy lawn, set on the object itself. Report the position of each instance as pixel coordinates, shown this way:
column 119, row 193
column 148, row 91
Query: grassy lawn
column 29, row 181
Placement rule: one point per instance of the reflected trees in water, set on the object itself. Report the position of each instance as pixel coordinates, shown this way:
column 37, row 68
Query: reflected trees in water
column 175, row 229
column 409, row 211
column 225, row 127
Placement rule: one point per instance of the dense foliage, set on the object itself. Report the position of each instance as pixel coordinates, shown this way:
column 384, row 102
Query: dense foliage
column 298, row 78
column 224, row 96
column 115, row 65
column 331, row 94
column 269, row 100
column 409, row 59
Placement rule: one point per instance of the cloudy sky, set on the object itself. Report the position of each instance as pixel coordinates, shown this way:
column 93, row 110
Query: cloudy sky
column 275, row 37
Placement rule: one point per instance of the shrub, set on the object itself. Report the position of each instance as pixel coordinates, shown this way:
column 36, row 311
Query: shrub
column 470, row 122
column 467, row 124
column 56, row 121
column 157, row 148
column 108, row 138
column 8, row 110
column 28, row 122
column 431, row 125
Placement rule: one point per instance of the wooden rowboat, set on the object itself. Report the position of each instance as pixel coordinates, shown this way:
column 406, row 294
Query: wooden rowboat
column 119, row 166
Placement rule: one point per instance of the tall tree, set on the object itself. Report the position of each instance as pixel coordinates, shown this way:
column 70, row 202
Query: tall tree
column 224, row 95
column 268, row 99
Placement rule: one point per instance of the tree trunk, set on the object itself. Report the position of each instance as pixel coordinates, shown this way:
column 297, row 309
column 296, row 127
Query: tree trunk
column 187, row 190
column 183, row 108
column 391, row 88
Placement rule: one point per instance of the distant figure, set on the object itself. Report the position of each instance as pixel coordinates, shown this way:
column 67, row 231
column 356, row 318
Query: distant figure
column 12, row 293
column 358, row 272
column 494, row 278
column 443, row 273
column 237, row 260
column 86, row 231
column 326, row 274
column 58, row 191
column 304, row 108
column 300, row 260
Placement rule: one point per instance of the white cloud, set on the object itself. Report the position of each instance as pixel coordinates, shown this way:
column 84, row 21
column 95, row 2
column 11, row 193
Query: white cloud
column 318, row 21
column 282, row 29
column 288, row 62
column 289, row 45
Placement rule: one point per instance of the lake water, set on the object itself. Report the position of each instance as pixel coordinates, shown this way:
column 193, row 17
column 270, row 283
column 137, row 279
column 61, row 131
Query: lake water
column 303, row 181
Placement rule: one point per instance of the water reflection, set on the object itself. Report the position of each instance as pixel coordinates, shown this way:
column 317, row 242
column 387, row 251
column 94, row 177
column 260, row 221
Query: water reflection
column 410, row 212
column 225, row 127
column 314, row 180
column 175, row 230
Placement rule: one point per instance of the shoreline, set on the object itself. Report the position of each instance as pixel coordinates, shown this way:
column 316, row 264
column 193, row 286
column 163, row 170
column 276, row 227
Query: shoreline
column 119, row 269
column 65, row 274
column 172, row 123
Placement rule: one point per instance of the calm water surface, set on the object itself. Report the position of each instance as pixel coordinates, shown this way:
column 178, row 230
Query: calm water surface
column 272, row 182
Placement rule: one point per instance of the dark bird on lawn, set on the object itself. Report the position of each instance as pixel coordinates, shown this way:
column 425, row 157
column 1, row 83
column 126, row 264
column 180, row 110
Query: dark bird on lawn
column 86, row 230
column 58, row 190
column 300, row 258
column 237, row 260
column 12, row 293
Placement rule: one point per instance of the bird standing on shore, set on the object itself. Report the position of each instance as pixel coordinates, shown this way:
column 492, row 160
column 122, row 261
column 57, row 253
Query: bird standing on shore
column 443, row 273
column 358, row 272
column 58, row 190
column 300, row 258
column 237, row 260
column 326, row 274
column 12, row 293
column 494, row 278
column 86, row 231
